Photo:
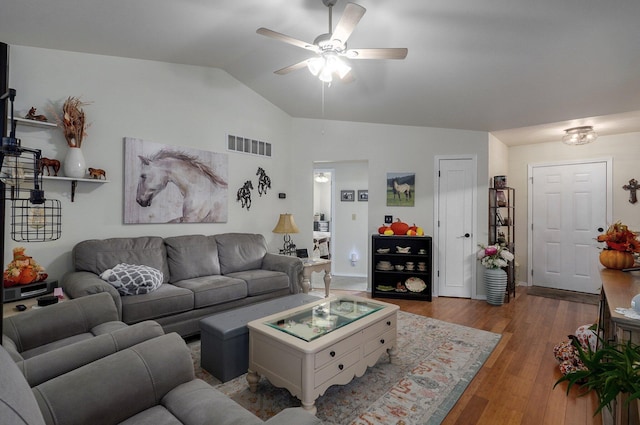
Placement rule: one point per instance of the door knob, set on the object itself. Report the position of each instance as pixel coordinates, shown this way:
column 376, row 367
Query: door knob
column 466, row 235
column 600, row 229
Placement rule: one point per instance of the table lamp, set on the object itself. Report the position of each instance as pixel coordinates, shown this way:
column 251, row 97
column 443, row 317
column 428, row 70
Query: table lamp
column 287, row 225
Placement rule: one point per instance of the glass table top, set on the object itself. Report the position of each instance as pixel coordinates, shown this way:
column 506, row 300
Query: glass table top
column 320, row 319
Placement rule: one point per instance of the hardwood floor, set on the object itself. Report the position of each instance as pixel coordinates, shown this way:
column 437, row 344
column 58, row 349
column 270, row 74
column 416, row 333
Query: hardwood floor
column 515, row 385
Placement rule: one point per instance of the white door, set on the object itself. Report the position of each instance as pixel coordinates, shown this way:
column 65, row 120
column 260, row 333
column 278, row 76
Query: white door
column 455, row 222
column 568, row 211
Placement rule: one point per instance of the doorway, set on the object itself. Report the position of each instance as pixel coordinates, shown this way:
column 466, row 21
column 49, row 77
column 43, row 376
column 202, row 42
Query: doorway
column 323, row 207
column 455, row 224
column 569, row 205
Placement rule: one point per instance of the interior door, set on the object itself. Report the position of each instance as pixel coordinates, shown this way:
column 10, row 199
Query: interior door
column 455, row 226
column 569, row 209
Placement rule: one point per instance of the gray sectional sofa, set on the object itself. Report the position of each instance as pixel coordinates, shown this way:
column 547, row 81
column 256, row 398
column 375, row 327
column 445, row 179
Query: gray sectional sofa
column 132, row 386
column 202, row 275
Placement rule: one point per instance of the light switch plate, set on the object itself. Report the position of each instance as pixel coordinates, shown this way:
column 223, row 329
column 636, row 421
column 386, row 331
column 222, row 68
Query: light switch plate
column 388, row 219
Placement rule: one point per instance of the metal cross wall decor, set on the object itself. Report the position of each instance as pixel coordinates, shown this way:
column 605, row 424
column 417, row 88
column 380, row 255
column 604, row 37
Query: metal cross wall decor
column 632, row 187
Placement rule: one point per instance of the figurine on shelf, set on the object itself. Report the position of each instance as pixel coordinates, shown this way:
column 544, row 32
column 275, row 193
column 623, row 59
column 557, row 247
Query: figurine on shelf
column 46, row 163
column 23, row 270
column 97, row 173
column 31, row 115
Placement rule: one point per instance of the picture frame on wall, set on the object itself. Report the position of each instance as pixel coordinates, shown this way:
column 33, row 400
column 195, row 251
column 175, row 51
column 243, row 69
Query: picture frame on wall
column 363, row 195
column 347, row 195
column 401, row 189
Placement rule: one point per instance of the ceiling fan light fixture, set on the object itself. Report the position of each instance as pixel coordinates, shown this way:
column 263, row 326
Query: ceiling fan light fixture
column 315, row 65
column 579, row 135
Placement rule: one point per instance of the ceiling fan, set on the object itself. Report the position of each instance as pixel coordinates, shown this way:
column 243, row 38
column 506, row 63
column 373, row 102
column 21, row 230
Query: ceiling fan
column 331, row 48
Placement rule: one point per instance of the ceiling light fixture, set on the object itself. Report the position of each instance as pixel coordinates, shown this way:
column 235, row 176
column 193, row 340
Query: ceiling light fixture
column 579, row 135
column 326, row 65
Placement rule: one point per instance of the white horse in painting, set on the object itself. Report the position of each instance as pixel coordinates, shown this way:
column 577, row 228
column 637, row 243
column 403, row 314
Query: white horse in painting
column 401, row 188
column 203, row 191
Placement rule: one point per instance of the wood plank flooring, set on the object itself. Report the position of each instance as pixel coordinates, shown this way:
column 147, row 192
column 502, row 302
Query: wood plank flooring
column 515, row 385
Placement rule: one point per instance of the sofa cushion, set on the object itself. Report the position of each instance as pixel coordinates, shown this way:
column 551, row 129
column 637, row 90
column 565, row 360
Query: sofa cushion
column 133, row 279
column 165, row 301
column 192, row 256
column 262, row 281
column 157, row 415
column 97, row 256
column 240, row 251
column 216, row 289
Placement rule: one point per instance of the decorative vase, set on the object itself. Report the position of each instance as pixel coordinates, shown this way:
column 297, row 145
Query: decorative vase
column 495, row 281
column 612, row 259
column 74, row 164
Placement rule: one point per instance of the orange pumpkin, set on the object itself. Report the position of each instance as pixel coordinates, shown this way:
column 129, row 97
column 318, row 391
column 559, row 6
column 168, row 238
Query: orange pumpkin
column 27, row 275
column 399, row 227
column 612, row 259
column 382, row 229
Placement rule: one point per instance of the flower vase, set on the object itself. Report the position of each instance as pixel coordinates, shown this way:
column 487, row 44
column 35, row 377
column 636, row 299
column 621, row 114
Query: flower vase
column 74, row 164
column 495, row 281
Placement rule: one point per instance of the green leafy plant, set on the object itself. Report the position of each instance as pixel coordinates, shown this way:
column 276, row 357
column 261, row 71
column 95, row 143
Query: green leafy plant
column 610, row 370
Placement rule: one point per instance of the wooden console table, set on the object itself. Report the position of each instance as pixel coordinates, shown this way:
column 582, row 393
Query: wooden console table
column 618, row 288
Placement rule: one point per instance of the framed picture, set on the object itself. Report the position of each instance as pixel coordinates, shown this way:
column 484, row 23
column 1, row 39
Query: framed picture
column 363, row 195
column 173, row 184
column 347, row 195
column 401, row 189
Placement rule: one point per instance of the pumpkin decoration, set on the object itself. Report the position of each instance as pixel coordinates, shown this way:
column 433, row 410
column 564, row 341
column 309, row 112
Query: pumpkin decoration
column 23, row 270
column 613, row 259
column 399, row 227
column 383, row 229
column 415, row 230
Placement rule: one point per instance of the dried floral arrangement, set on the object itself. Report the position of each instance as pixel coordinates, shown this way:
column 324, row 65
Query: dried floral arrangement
column 619, row 238
column 73, row 123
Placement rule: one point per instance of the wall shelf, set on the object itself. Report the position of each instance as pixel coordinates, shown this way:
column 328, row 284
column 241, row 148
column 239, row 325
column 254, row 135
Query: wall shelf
column 74, row 182
column 33, row 123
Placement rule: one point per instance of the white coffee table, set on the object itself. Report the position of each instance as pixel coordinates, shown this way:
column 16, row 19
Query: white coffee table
column 329, row 342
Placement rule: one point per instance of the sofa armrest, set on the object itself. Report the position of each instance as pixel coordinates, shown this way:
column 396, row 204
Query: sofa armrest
column 35, row 328
column 118, row 386
column 80, row 284
column 54, row 363
column 292, row 266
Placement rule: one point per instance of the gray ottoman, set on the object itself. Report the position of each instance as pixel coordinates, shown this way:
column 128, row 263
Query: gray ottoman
column 224, row 337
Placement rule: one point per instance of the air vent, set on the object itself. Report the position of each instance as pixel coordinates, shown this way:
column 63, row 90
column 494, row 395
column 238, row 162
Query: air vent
column 250, row 146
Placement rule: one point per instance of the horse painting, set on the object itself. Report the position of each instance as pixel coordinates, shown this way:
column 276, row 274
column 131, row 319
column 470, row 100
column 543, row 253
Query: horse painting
column 399, row 189
column 203, row 191
column 264, row 182
column 244, row 195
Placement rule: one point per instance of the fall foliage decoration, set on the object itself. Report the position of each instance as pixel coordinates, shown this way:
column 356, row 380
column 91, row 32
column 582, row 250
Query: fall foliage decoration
column 73, row 123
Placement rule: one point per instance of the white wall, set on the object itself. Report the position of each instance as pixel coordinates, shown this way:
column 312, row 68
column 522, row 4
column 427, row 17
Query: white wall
column 386, row 148
column 623, row 148
column 196, row 107
column 166, row 103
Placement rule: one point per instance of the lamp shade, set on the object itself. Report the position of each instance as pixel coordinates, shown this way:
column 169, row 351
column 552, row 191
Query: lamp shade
column 286, row 224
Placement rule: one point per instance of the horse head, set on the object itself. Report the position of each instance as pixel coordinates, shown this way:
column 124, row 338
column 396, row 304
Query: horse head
column 151, row 181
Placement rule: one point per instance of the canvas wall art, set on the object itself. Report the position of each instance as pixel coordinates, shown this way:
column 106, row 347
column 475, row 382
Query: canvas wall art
column 171, row 184
column 401, row 189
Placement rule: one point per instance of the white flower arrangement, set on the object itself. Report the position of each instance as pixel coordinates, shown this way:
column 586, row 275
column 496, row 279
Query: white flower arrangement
column 494, row 256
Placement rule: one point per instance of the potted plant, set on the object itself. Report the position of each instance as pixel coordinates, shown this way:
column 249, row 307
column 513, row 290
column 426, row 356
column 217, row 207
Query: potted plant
column 612, row 369
column 620, row 245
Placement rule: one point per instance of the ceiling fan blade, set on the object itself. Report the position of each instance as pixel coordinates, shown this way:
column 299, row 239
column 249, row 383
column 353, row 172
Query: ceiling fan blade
column 286, row 39
column 348, row 21
column 390, row 53
column 291, row 68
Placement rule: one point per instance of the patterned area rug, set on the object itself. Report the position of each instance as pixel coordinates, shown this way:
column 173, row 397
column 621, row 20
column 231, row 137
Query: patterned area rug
column 436, row 361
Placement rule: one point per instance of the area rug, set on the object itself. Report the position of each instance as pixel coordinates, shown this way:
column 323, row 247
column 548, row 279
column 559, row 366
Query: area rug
column 559, row 294
column 436, row 361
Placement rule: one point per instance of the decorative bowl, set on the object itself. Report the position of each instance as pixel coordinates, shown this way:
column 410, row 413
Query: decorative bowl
column 403, row 250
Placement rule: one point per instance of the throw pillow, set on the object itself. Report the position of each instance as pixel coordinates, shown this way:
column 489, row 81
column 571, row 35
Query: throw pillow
column 133, row 279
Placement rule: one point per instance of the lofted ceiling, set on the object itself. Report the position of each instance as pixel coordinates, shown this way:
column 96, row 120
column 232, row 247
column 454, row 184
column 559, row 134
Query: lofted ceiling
column 521, row 69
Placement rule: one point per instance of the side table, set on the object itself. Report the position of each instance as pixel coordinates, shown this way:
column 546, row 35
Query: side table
column 9, row 309
column 311, row 266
